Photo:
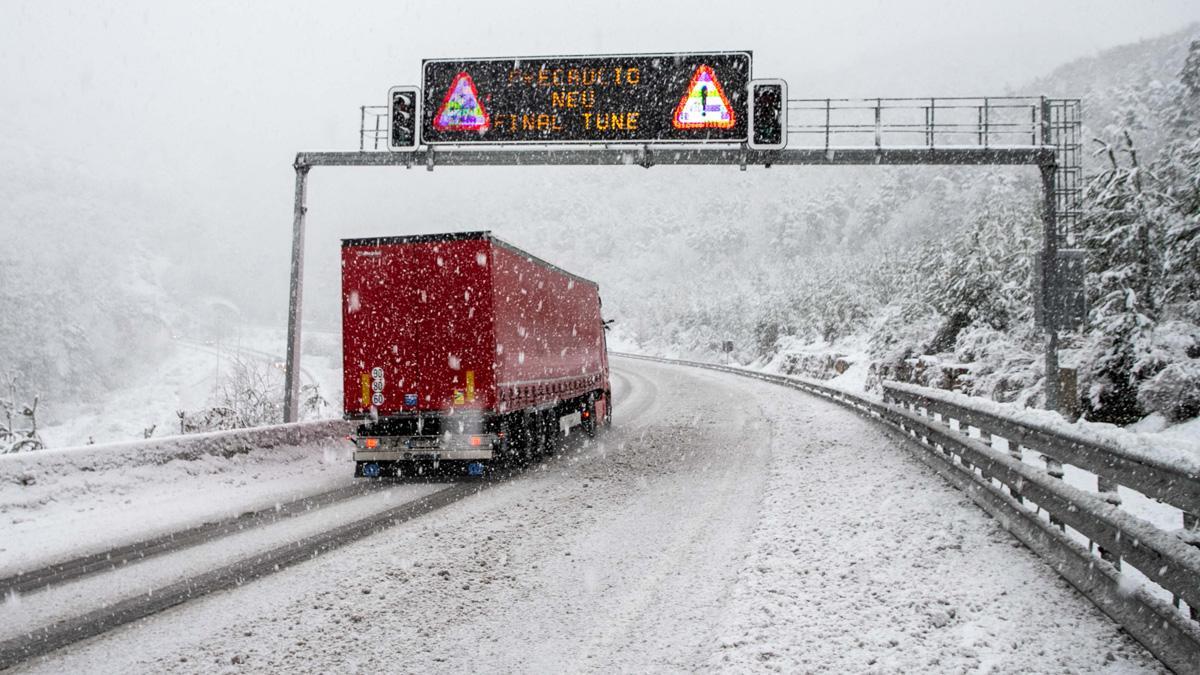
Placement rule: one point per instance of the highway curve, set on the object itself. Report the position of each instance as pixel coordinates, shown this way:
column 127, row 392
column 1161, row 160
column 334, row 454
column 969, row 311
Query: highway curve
column 724, row 524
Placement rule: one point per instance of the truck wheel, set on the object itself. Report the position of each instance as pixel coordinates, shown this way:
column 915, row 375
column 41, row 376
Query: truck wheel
column 545, row 444
column 533, row 437
column 551, row 432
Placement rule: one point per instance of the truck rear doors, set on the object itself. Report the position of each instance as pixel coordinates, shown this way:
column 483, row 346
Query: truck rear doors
column 381, row 335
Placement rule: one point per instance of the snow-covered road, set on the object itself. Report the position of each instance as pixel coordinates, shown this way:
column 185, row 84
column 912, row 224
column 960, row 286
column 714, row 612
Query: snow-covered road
column 724, row 523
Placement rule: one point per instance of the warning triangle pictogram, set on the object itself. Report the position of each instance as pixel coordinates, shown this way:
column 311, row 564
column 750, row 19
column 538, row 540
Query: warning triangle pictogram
column 461, row 109
column 704, row 105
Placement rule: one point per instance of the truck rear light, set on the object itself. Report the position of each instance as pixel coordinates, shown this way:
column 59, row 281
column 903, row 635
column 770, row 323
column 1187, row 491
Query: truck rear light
column 372, row 443
column 585, row 414
column 477, row 441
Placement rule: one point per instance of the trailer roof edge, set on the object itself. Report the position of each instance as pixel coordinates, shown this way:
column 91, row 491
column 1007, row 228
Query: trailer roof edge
column 461, row 236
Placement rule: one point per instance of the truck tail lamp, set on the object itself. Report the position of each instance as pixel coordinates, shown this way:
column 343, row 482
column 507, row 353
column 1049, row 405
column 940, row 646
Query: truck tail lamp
column 372, row 443
column 476, row 441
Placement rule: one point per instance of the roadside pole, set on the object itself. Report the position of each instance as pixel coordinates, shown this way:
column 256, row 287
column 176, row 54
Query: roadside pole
column 291, row 385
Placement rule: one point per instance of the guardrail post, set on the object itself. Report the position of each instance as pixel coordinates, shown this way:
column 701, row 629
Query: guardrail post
column 962, row 458
column 1016, row 452
column 1108, row 492
column 1055, row 469
column 986, row 438
column 1191, row 522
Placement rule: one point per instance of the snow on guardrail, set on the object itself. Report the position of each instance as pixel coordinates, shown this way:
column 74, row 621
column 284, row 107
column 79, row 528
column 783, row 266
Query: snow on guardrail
column 21, row 468
column 1182, row 455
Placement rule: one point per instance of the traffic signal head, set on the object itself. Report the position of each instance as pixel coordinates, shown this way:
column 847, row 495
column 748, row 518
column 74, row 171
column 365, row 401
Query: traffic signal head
column 405, row 118
column 768, row 114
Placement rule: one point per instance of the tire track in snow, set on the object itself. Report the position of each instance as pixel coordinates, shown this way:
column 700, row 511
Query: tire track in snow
column 104, row 561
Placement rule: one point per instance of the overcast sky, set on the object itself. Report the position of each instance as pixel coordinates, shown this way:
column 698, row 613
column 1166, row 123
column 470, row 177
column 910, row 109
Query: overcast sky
column 207, row 103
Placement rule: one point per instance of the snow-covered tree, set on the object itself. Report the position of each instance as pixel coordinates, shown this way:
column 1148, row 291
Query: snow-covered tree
column 1172, row 387
column 1122, row 232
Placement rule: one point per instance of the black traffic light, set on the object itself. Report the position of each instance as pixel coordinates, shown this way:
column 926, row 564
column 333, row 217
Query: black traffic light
column 405, row 118
column 768, row 114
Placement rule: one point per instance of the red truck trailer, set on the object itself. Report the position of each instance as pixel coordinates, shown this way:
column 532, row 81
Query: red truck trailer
column 463, row 348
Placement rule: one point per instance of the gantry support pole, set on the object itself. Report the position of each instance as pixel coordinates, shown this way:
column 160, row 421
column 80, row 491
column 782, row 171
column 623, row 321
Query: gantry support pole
column 1051, row 303
column 291, row 384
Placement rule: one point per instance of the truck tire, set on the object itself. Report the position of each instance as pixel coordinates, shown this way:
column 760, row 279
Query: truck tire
column 533, row 437
column 551, row 432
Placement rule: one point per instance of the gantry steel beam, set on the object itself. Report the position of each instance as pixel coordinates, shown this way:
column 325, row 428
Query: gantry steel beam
column 647, row 156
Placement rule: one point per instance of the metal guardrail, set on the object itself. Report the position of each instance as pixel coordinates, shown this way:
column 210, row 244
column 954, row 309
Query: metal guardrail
column 1114, row 465
column 1018, row 494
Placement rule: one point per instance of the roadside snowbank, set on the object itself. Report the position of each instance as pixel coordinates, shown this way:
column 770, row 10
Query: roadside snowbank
column 57, row 503
column 27, row 468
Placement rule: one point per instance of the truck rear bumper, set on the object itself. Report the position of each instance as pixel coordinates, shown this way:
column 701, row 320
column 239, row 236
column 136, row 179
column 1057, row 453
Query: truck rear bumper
column 446, row 447
column 419, row 455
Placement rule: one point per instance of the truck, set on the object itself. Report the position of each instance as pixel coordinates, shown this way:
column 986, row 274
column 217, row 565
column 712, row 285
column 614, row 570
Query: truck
column 461, row 348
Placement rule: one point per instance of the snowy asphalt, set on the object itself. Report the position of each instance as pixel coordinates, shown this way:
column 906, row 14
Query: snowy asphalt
column 723, row 524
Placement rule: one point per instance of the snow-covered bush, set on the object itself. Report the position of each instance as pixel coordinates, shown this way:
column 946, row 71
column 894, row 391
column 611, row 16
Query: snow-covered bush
column 214, row 418
column 902, row 332
column 1003, row 367
column 254, row 390
column 18, row 428
column 249, row 394
column 312, row 403
column 1174, row 392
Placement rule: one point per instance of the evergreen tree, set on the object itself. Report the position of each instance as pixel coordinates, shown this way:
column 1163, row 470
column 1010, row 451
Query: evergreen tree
column 1173, row 384
column 1179, row 169
column 1121, row 230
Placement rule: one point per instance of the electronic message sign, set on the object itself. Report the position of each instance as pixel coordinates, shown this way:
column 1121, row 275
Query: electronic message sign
column 641, row 98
